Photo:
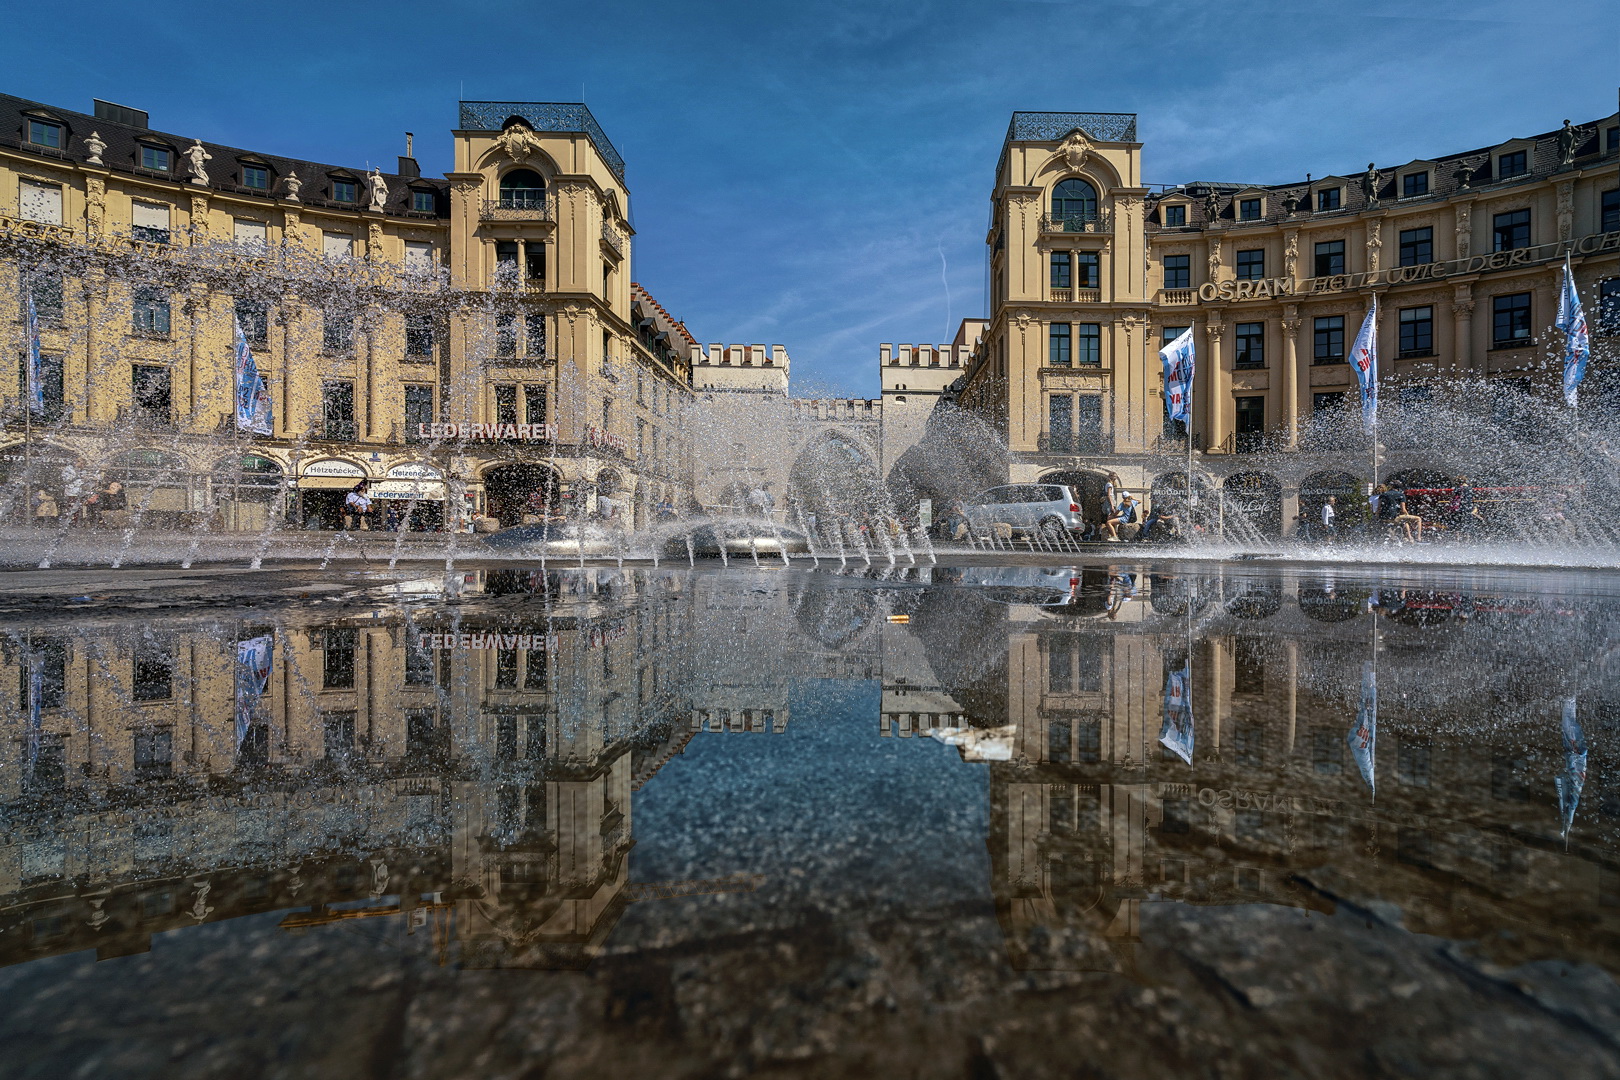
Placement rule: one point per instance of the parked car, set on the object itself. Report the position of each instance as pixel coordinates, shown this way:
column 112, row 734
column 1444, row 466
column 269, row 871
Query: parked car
column 1049, row 510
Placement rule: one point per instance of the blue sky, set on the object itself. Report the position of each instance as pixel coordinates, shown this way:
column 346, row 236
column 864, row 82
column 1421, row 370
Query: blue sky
column 817, row 174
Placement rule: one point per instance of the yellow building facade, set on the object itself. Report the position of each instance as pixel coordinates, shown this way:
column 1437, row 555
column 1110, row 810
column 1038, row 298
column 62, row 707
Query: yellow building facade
column 1092, row 271
column 473, row 343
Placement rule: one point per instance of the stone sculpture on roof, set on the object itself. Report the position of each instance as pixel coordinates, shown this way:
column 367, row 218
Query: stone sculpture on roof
column 377, row 189
column 196, row 158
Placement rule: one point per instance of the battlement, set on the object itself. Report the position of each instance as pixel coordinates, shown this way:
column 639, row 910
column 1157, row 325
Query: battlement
column 951, row 355
column 846, row 409
column 718, row 355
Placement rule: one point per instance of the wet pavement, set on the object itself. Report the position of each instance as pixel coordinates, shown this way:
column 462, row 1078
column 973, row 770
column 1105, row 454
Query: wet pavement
column 1105, row 820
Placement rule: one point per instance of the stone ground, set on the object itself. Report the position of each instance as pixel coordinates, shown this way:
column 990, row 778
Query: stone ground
column 1246, row 991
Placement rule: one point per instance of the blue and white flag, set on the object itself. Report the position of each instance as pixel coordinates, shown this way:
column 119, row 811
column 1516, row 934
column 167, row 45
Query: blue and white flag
column 1364, row 358
column 252, row 395
column 253, row 662
column 1577, row 342
column 1574, row 776
column 36, row 724
column 36, row 377
column 1363, row 738
column 1179, row 361
column 1177, row 729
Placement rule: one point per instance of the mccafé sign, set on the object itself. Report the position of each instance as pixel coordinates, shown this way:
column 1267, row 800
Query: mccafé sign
column 1267, row 288
column 489, row 432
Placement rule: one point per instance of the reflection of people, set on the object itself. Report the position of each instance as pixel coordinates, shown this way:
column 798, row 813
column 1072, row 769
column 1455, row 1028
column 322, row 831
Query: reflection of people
column 357, row 506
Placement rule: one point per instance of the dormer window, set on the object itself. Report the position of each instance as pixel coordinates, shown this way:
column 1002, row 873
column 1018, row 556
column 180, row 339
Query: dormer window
column 1175, row 216
column 345, row 191
column 1414, row 184
column 1250, row 209
column 1512, row 164
column 45, row 133
column 422, row 202
column 156, row 158
column 1328, row 199
column 256, row 177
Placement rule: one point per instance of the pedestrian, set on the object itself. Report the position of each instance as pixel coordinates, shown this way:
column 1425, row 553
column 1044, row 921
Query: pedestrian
column 45, row 508
column 1401, row 517
column 357, row 507
column 1123, row 514
column 111, row 500
column 1330, row 517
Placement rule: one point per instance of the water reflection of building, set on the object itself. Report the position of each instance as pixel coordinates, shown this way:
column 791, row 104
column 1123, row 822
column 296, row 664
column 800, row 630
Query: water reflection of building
column 1094, row 817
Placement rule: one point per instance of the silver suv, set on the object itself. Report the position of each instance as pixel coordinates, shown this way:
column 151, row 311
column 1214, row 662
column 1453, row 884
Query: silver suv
column 1051, row 510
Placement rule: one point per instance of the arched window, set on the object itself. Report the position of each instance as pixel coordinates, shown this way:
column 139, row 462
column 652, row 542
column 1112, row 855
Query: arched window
column 522, row 189
column 1074, row 200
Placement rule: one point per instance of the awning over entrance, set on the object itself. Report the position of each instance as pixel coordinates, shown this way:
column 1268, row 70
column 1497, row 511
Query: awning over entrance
column 330, row 473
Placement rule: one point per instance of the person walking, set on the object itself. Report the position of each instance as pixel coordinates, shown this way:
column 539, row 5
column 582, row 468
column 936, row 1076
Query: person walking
column 357, row 507
column 1330, row 517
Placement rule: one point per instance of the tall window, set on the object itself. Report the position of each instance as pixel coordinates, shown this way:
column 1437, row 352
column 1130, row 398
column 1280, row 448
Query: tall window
column 45, row 286
column 506, row 411
column 337, row 332
column 151, row 394
column 1251, row 264
column 45, row 133
column 1249, row 210
column 1061, row 272
column 1510, row 320
column 1251, row 345
column 1088, row 269
column 1090, row 344
column 39, row 202
column 1060, row 422
column 506, row 337
column 1610, row 219
column 418, row 334
column 1058, row 345
column 523, row 189
column 534, row 263
column 151, row 311
column 1417, row 331
column 1327, row 199
column 50, row 385
column 149, row 223
column 337, row 409
column 1414, row 184
column 418, row 411
column 1329, row 258
column 1074, row 200
column 1175, row 217
column 1088, row 423
column 154, row 753
column 534, row 406
column 253, row 316
column 338, row 647
column 1608, row 308
column 1511, row 230
column 1251, row 423
column 534, row 333
column 1514, row 164
column 1328, row 344
column 1178, row 271
column 153, row 669
column 1417, row 246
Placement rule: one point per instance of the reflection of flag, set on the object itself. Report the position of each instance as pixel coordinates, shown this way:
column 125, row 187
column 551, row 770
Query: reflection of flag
column 252, row 395
column 1177, row 730
column 253, row 659
column 1364, row 358
column 1363, row 738
column 36, row 725
column 36, row 380
column 1179, row 362
column 1577, row 343
column 1574, row 777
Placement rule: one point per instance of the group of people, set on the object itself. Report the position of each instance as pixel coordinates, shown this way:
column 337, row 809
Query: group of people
column 96, row 509
column 1393, row 512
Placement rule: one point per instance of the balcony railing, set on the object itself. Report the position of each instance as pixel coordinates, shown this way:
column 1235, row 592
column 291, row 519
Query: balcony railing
column 1075, row 442
column 611, row 239
column 1178, row 297
column 1076, row 296
column 1101, row 221
column 517, row 206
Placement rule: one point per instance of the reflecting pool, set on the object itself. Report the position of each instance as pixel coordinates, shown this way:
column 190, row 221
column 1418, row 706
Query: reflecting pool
column 1101, row 820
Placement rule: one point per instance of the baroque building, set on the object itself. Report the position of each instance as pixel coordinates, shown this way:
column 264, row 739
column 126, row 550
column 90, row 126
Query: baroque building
column 474, row 343
column 1092, row 270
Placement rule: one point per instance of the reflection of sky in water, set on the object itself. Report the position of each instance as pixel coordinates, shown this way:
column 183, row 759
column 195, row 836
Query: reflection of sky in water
column 833, row 816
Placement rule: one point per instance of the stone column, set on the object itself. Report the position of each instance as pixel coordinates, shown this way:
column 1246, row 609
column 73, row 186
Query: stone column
column 1290, row 374
column 197, row 322
column 1462, row 310
column 1217, row 386
column 365, row 341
